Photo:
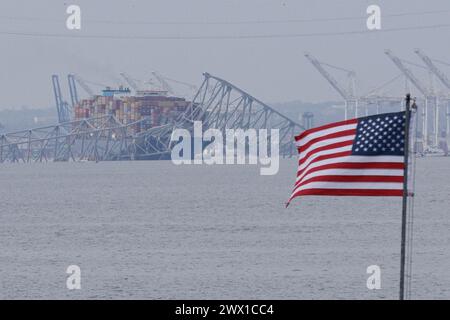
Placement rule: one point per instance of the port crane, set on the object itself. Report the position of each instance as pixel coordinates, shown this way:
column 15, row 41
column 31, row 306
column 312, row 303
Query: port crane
column 442, row 77
column 130, row 81
column 62, row 107
column 349, row 94
column 378, row 97
column 72, row 90
column 427, row 93
column 218, row 104
column 83, row 85
column 190, row 86
column 164, row 85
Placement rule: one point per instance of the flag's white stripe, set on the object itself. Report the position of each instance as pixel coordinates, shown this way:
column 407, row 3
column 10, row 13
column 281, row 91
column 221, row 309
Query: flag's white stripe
column 324, row 132
column 322, row 153
column 355, row 172
column 325, row 143
column 352, row 159
column 351, row 185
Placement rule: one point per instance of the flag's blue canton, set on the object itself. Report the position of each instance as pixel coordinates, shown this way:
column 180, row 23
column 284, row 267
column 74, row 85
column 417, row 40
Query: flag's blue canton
column 380, row 135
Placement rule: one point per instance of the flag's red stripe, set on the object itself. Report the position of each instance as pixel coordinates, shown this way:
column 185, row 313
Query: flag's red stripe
column 348, row 178
column 327, row 126
column 325, row 157
column 338, row 134
column 349, row 192
column 357, row 165
column 328, row 147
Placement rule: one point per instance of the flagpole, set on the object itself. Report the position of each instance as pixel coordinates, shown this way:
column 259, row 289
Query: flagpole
column 405, row 197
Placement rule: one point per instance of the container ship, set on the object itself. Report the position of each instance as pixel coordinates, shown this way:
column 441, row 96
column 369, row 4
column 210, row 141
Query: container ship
column 153, row 107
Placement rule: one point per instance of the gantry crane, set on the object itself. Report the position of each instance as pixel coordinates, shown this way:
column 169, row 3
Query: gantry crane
column 349, row 95
column 427, row 93
column 130, row 81
column 432, row 67
column 62, row 107
column 442, row 77
column 374, row 97
column 83, row 85
column 164, row 85
column 72, row 90
column 189, row 85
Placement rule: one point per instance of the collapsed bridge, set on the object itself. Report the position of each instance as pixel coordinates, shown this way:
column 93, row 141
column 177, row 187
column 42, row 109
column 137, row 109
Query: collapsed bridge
column 218, row 104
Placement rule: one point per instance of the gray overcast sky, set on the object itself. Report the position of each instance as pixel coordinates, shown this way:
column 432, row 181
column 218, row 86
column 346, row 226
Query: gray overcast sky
column 272, row 69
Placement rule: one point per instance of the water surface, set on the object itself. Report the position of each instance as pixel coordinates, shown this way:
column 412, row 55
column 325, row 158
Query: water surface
column 153, row 230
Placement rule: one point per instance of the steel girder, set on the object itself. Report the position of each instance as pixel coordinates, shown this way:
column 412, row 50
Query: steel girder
column 221, row 105
column 218, row 104
column 102, row 138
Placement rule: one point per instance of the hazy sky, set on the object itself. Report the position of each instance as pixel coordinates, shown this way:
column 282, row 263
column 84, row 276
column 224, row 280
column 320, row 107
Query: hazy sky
column 272, row 69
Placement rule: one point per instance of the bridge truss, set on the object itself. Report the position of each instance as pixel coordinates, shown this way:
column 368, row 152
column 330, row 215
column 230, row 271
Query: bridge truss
column 218, row 104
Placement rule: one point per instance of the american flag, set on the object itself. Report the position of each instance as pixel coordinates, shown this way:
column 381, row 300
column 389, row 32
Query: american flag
column 357, row 157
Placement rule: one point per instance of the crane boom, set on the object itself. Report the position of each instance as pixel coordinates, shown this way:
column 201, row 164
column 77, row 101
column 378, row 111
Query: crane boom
column 165, row 86
column 72, row 90
column 189, row 85
column 130, row 81
column 432, row 67
column 334, row 83
column 83, row 85
column 62, row 107
column 57, row 94
column 408, row 73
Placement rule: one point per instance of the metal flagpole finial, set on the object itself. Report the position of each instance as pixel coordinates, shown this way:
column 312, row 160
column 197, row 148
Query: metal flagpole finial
column 408, row 100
